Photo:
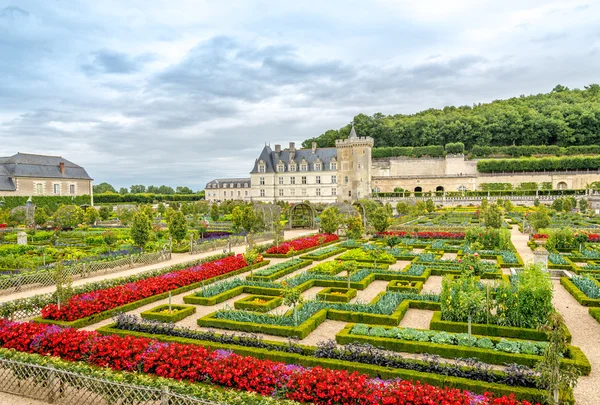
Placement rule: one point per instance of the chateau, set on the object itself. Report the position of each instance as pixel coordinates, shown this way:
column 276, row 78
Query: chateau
column 38, row 175
column 347, row 172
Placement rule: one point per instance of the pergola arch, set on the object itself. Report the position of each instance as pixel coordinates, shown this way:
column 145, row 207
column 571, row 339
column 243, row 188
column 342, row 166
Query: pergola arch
column 270, row 213
column 362, row 211
column 303, row 213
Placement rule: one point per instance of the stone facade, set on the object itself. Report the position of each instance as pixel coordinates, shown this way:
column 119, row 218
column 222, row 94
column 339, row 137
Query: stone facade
column 39, row 175
column 227, row 189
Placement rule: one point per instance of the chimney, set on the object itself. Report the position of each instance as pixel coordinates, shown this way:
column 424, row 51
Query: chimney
column 292, row 146
column 277, row 148
column 314, row 147
column 61, row 166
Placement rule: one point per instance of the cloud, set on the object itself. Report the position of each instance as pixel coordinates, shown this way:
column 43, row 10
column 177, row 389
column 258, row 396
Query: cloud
column 110, row 61
column 178, row 96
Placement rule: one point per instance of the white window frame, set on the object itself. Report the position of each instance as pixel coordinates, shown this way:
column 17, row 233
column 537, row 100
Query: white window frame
column 293, row 180
column 318, row 179
column 280, row 180
column 304, row 180
column 303, row 192
column 54, row 185
column 303, row 167
column 280, row 192
column 318, row 191
column 261, row 181
column 334, row 191
column 262, row 192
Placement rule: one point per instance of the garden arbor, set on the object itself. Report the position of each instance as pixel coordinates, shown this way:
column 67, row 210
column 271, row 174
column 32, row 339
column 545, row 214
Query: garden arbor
column 268, row 213
column 361, row 211
column 302, row 215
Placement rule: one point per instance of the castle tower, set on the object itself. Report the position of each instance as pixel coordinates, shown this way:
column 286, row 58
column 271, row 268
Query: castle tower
column 354, row 166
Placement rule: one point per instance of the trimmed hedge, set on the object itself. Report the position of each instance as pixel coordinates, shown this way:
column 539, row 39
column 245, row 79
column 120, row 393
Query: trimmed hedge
column 528, row 150
column 83, row 322
column 488, row 330
column 312, row 256
column 578, row 294
column 146, row 198
column 595, row 313
column 247, row 304
column 183, row 311
column 280, row 273
column 50, row 203
column 410, row 151
column 530, row 394
column 327, row 295
column 539, row 164
column 575, row 356
column 405, row 286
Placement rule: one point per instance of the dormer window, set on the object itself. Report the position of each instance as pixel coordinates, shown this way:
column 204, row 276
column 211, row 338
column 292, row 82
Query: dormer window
column 281, row 167
column 262, row 167
column 303, row 167
column 238, row 185
column 318, row 167
column 333, row 165
column 292, row 168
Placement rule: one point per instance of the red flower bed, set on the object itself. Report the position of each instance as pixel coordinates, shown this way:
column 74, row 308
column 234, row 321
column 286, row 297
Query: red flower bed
column 302, row 243
column 197, row 363
column 594, row 237
column 3, row 226
column 540, row 236
column 84, row 305
column 423, row 234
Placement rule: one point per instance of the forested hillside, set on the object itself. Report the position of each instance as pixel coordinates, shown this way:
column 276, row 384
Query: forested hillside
column 562, row 117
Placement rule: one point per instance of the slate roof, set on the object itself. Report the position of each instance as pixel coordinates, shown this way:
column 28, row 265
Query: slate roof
column 268, row 156
column 231, row 183
column 6, row 183
column 39, row 166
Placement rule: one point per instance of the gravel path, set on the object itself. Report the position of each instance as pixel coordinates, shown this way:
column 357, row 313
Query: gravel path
column 416, row 318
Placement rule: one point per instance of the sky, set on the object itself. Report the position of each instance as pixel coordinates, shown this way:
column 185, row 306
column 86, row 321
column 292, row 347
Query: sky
column 182, row 92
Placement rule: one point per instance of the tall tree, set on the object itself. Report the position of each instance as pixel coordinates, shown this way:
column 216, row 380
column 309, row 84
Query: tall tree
column 178, row 226
column 141, row 229
column 103, row 188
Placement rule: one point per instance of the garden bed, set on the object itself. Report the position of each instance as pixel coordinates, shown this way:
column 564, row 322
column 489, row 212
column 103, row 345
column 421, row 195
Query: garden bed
column 258, row 303
column 337, row 294
column 405, row 286
column 161, row 313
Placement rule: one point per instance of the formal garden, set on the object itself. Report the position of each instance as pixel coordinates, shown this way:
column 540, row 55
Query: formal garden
column 429, row 306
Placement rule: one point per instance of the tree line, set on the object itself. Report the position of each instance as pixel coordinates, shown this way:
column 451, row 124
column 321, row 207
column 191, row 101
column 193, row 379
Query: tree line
column 562, row 117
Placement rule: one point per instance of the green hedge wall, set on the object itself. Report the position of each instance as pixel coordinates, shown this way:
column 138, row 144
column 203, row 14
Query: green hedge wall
column 538, row 164
column 50, row 203
column 529, row 150
column 595, row 313
column 578, row 294
column 488, row 330
column 575, row 356
column 410, row 151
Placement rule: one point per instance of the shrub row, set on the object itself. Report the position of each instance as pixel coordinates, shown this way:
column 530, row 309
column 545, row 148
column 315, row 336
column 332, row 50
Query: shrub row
column 488, row 330
column 314, row 256
column 574, row 354
column 538, row 164
column 410, row 151
column 337, row 294
column 283, row 272
column 50, row 203
column 529, row 150
column 595, row 313
column 146, row 198
column 578, row 294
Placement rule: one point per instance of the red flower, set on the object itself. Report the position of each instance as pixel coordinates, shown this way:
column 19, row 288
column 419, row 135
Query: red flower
column 302, row 243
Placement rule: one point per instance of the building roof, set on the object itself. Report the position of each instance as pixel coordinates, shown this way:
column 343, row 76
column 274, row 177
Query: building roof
column 221, row 182
column 271, row 158
column 40, row 166
column 6, row 183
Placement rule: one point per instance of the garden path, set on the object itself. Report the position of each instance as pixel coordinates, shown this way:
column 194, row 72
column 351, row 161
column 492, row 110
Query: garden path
column 584, row 328
column 176, row 258
column 417, row 318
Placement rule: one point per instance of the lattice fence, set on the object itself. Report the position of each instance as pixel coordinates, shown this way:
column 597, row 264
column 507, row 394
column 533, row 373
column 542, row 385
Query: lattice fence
column 229, row 242
column 65, row 387
column 44, row 278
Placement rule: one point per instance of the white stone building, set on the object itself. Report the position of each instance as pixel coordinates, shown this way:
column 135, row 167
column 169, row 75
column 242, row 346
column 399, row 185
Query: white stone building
column 219, row 190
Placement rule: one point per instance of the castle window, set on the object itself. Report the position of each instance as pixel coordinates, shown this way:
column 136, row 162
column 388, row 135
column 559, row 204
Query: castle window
column 238, row 185
column 303, row 179
column 292, row 180
column 293, row 192
column 281, row 168
column 345, row 179
column 333, row 166
column 262, row 192
column 280, row 180
column 39, row 188
column 318, row 179
column 56, row 188
column 303, row 192
column 261, row 168
column 292, row 168
column 280, row 192
column 334, row 191
column 318, row 191
column 318, row 166
column 246, row 193
column 303, row 168
column 72, row 189
column 262, row 181
column 333, row 179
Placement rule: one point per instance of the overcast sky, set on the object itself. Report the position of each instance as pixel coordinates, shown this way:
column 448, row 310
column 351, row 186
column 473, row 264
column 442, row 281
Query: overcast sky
column 181, row 92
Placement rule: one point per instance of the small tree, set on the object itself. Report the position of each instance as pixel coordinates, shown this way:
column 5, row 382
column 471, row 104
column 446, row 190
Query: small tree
column 202, row 227
column 536, row 202
column 104, row 212
column 68, row 216
column 292, row 297
column 349, row 267
column 250, row 221
column 161, row 208
column 567, row 205
column 554, row 376
column 557, row 204
column 178, row 226
column 91, row 215
column 508, row 206
column 214, row 212
column 109, row 238
column 493, row 216
column 380, row 219
column 430, row 205
column 64, row 281
column 237, row 218
column 251, row 257
column 539, row 218
column 125, row 215
column 583, row 205
column 402, row 207
column 355, row 227
column 40, row 217
column 140, row 229
column 278, row 229
column 330, row 220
